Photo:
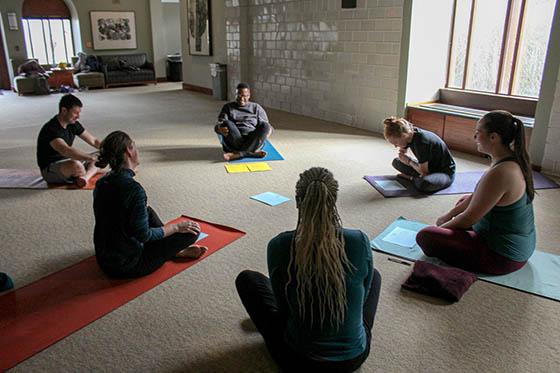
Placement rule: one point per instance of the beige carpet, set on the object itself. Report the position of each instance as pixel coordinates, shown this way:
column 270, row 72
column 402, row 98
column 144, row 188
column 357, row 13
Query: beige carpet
column 194, row 322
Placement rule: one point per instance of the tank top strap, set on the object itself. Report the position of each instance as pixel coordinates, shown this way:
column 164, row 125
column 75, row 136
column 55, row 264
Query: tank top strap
column 511, row 158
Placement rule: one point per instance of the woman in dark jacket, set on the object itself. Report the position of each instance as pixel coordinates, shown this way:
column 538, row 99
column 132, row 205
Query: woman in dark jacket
column 130, row 239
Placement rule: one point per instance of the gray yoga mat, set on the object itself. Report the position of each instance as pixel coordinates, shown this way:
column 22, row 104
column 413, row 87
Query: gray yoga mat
column 465, row 182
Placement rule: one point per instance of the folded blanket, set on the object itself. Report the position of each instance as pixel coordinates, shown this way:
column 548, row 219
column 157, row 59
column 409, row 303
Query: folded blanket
column 448, row 283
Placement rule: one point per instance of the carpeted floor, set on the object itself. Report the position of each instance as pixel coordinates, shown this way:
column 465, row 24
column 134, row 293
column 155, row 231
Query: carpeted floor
column 195, row 321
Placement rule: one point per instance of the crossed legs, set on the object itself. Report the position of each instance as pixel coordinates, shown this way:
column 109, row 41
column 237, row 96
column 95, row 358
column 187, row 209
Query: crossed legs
column 69, row 171
column 259, row 300
column 237, row 145
column 430, row 183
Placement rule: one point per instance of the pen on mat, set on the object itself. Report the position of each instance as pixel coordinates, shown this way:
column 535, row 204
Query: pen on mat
column 398, row 261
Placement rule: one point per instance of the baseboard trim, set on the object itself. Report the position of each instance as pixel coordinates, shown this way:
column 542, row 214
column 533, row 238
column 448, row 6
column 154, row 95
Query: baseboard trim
column 195, row 88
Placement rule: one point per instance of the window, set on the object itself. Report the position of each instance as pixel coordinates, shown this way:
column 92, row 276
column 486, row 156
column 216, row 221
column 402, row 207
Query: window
column 48, row 39
column 499, row 46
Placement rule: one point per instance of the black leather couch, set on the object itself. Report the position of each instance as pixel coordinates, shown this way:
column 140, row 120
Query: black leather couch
column 125, row 69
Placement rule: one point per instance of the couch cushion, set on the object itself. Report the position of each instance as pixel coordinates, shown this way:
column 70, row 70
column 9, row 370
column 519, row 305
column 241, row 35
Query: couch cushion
column 90, row 80
column 119, row 77
column 112, row 60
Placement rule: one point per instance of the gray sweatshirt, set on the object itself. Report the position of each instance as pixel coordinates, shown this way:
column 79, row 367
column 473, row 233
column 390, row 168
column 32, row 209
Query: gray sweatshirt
column 245, row 117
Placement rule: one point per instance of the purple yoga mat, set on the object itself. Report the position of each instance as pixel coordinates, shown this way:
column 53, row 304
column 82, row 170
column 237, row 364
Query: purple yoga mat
column 465, row 182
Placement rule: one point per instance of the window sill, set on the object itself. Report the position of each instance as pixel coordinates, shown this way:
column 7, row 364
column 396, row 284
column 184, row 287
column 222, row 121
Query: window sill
column 464, row 112
column 518, row 106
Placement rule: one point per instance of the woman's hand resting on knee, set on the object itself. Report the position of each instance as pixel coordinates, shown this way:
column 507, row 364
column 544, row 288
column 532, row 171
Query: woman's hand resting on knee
column 188, row 227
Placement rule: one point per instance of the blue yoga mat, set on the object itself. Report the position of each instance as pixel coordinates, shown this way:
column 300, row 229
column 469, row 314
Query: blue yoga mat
column 540, row 276
column 271, row 155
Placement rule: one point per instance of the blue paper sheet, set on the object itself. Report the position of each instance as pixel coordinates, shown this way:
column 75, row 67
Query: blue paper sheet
column 540, row 276
column 271, row 155
column 270, row 198
column 390, row 185
column 201, row 236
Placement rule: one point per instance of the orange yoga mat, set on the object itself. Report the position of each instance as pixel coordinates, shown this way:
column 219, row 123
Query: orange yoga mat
column 40, row 314
column 32, row 179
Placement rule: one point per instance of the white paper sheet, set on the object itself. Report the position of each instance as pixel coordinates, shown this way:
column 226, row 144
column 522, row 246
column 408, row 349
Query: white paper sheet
column 402, row 237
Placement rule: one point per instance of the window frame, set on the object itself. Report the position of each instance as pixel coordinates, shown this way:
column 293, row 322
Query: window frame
column 25, row 22
column 509, row 20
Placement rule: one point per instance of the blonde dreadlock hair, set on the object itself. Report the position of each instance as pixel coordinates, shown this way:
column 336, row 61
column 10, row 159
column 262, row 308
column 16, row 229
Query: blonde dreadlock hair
column 318, row 255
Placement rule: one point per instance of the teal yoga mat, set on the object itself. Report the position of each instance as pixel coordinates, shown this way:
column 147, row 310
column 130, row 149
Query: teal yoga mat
column 540, row 276
column 271, row 155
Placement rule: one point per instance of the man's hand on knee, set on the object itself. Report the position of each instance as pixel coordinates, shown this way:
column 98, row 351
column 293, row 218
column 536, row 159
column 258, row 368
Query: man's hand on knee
column 222, row 130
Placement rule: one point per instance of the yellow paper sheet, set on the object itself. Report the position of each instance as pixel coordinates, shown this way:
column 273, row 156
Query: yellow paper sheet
column 236, row 168
column 258, row 166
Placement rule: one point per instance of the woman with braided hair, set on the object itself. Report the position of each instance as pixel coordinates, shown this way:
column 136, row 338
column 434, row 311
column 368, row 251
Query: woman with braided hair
column 316, row 311
column 130, row 239
column 491, row 230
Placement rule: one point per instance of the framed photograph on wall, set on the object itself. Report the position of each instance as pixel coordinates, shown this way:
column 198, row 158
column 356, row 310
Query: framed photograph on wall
column 199, row 27
column 113, row 30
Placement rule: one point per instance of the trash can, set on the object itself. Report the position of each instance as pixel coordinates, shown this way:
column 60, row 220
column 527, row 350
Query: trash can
column 218, row 72
column 174, row 68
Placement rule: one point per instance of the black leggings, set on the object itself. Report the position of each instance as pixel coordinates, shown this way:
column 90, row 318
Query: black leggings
column 257, row 296
column 156, row 253
column 430, row 183
column 244, row 144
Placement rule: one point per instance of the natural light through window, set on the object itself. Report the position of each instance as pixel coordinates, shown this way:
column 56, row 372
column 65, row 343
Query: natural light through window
column 486, row 43
column 499, row 46
column 49, row 40
column 532, row 47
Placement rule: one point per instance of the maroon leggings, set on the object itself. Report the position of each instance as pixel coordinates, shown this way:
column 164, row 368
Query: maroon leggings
column 464, row 249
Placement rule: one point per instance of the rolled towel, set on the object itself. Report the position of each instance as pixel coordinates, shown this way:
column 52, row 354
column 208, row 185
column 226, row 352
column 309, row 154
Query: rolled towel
column 448, row 283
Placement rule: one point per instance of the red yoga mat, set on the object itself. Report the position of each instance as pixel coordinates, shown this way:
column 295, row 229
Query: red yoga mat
column 40, row 314
column 32, row 179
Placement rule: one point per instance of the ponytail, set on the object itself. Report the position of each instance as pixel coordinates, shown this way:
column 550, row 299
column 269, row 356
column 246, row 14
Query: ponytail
column 512, row 132
column 522, row 157
column 112, row 150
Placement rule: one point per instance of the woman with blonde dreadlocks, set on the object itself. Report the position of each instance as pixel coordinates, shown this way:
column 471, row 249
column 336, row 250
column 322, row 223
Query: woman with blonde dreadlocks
column 316, row 311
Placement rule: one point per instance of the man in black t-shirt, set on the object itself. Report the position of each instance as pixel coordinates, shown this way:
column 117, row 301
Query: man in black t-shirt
column 58, row 161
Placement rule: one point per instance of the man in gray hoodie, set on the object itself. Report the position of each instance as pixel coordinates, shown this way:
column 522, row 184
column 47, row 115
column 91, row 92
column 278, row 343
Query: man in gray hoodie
column 243, row 126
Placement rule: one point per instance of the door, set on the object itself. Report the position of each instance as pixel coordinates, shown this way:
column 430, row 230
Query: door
column 4, row 75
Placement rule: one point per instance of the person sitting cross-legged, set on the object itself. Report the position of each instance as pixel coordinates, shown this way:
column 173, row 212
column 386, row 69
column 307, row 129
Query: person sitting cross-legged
column 492, row 230
column 130, row 239
column 58, row 160
column 434, row 167
column 243, row 126
column 316, row 310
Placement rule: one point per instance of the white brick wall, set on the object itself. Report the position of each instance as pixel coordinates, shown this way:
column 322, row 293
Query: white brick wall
column 313, row 58
column 551, row 161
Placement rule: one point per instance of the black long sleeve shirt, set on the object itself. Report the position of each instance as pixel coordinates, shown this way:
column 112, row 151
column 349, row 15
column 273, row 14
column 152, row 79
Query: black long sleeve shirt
column 121, row 221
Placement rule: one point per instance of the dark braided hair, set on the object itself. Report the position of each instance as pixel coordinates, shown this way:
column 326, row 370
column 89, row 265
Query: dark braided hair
column 111, row 151
column 318, row 261
column 512, row 133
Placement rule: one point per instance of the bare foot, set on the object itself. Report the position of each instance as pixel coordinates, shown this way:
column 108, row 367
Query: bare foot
column 192, row 252
column 80, row 182
column 403, row 176
column 258, row 154
column 231, row 156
